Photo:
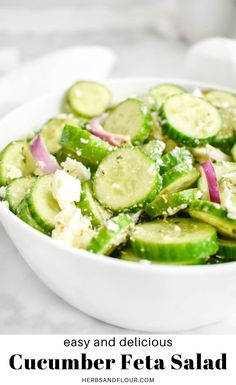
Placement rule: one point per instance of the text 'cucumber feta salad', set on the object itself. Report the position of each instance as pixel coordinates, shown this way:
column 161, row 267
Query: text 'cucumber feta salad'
column 150, row 179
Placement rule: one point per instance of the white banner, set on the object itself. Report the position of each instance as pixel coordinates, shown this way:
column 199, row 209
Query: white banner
column 154, row 359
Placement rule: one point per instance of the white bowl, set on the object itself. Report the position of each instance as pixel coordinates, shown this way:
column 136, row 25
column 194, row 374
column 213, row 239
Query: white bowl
column 136, row 296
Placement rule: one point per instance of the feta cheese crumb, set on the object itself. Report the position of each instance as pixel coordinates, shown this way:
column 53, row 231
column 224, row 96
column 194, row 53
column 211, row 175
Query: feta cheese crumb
column 227, row 193
column 13, row 172
column 2, row 192
column 72, row 228
column 85, row 141
column 66, row 189
column 76, row 169
column 112, row 226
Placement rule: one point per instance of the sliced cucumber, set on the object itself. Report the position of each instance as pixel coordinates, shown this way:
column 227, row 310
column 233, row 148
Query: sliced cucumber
column 84, row 144
column 126, row 179
column 179, row 178
column 131, row 118
column 233, row 152
column 170, row 204
column 43, row 207
column 227, row 249
column 163, row 91
column 90, row 206
column 190, row 120
column 111, row 235
column 215, row 215
column 15, row 161
column 24, row 214
column 88, row 98
column 221, row 169
column 154, row 148
column 52, row 130
column 220, row 98
column 129, row 256
column 16, row 191
column 174, row 157
column 226, row 137
column 174, row 240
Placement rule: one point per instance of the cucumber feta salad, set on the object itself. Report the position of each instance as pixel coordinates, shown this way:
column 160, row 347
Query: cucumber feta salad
column 151, row 179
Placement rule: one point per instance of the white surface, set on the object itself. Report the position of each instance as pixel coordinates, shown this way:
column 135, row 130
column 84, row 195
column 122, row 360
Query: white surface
column 26, row 305
column 169, row 299
column 213, row 60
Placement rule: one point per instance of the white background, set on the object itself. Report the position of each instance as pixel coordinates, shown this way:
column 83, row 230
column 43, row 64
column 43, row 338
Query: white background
column 52, row 347
column 27, row 30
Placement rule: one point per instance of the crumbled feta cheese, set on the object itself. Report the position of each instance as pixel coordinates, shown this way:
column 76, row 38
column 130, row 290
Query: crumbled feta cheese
column 78, row 152
column 227, row 194
column 112, row 226
column 76, row 169
column 2, row 192
column 13, row 172
column 66, row 189
column 85, row 141
column 72, row 228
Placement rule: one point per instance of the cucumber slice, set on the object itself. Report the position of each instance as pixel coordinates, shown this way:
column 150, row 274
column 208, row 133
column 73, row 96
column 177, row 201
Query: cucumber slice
column 111, row 235
column 170, row 204
column 174, row 157
column 233, row 152
column 220, row 98
column 16, row 191
column 131, row 118
column 190, row 120
column 215, row 215
column 84, row 144
column 88, row 98
column 126, row 179
column 221, row 169
column 227, row 249
column 179, row 178
column 129, row 256
column 226, row 137
column 24, row 214
column 163, row 91
column 43, row 207
column 15, row 161
column 52, row 130
column 174, row 240
column 154, row 148
column 91, row 207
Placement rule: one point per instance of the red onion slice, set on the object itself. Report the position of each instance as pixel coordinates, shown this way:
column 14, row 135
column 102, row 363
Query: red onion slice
column 94, row 126
column 46, row 162
column 211, row 178
column 112, row 139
